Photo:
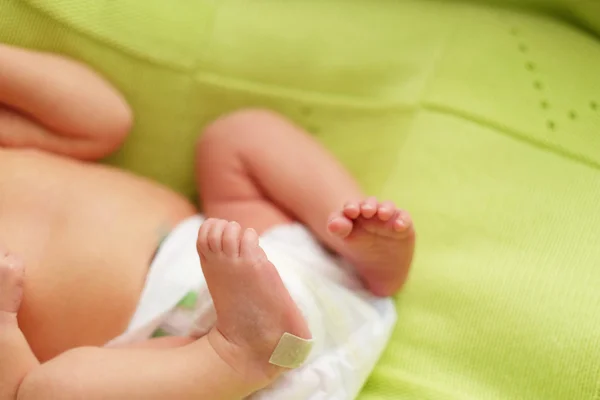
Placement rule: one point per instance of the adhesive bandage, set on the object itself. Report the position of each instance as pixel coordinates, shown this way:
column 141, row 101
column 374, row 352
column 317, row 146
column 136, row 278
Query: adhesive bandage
column 291, row 351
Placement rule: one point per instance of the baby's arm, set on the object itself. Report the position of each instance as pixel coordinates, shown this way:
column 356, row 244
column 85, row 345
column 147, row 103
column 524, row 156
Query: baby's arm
column 58, row 105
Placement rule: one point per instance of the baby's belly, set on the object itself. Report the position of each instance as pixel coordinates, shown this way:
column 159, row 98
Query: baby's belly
column 87, row 235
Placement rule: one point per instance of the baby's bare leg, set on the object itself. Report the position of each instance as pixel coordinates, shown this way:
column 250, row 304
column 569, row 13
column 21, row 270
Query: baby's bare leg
column 195, row 371
column 58, row 105
column 191, row 372
column 229, row 363
column 256, row 168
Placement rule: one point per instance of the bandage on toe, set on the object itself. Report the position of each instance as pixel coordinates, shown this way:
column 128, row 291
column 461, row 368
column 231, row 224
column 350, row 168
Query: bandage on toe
column 291, row 351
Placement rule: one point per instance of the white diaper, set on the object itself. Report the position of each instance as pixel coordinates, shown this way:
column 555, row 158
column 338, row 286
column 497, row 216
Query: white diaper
column 350, row 327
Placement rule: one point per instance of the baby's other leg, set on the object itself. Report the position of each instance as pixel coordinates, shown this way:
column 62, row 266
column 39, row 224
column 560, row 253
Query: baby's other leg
column 256, row 168
column 16, row 358
column 194, row 371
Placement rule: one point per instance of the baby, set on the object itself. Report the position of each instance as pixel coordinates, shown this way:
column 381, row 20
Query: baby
column 78, row 244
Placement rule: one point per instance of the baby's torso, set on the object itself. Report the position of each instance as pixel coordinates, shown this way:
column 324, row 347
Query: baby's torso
column 87, row 234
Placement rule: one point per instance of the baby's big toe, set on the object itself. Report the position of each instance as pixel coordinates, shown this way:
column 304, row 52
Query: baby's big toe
column 249, row 247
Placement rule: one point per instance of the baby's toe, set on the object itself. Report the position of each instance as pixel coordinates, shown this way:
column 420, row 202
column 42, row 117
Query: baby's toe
column 369, row 207
column 215, row 236
column 202, row 242
column 339, row 225
column 403, row 222
column 249, row 244
column 352, row 209
column 386, row 210
column 231, row 239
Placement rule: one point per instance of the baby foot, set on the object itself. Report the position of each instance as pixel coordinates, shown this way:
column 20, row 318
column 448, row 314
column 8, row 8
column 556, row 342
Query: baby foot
column 11, row 286
column 254, row 309
column 379, row 240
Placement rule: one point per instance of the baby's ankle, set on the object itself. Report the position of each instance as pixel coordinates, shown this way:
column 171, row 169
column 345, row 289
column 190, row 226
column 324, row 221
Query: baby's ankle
column 252, row 366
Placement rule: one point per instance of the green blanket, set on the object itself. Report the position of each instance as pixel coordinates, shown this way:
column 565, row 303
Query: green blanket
column 483, row 120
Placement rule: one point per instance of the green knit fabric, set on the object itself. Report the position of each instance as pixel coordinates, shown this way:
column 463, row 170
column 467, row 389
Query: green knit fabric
column 482, row 119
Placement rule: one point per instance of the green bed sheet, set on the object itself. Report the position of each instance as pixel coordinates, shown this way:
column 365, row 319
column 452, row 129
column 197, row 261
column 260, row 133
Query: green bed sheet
column 481, row 118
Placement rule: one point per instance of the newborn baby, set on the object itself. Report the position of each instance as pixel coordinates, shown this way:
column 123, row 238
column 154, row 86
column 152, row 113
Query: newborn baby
column 90, row 255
